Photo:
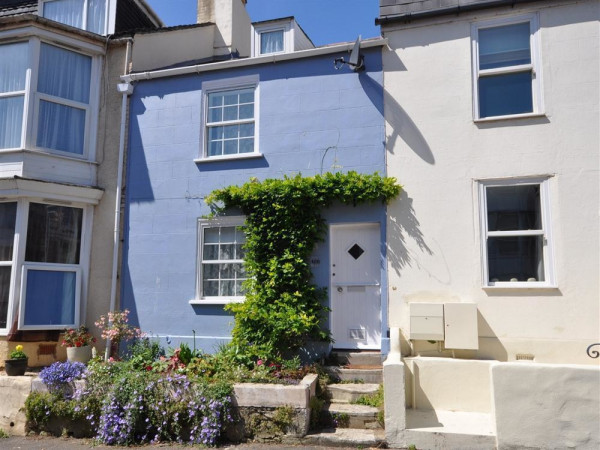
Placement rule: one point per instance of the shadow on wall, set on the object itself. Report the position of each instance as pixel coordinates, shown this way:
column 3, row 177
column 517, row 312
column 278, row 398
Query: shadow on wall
column 402, row 226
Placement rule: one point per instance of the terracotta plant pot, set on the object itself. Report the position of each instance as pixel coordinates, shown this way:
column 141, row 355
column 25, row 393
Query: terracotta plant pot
column 15, row 367
column 79, row 354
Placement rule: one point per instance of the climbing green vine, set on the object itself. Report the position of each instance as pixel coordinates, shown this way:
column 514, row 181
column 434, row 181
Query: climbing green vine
column 283, row 307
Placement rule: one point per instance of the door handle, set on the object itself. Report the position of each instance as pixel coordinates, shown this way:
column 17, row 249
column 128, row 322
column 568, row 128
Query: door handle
column 340, row 289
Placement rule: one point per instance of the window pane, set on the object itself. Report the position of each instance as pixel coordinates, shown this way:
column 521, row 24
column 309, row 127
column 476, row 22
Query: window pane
column 239, row 290
column 246, row 145
column 61, row 127
column 11, row 121
column 215, row 148
column 210, row 271
column 13, row 66
column 247, row 96
column 226, row 251
column 227, row 271
column 231, row 131
column 231, row 98
column 8, row 216
column 247, row 130
column 50, row 298
column 500, row 95
column 227, row 289
column 210, row 288
column 518, row 258
column 215, row 115
column 5, row 272
column 211, row 235
column 96, row 16
column 504, row 46
column 211, row 252
column 512, row 208
column 227, row 234
column 53, row 234
column 231, row 147
column 230, row 113
column 271, row 41
column 64, row 74
column 69, row 12
column 247, row 111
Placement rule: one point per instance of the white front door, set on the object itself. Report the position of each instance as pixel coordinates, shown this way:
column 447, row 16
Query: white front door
column 355, row 289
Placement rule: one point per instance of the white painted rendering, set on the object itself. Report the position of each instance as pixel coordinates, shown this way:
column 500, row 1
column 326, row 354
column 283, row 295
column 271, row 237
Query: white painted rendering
column 233, row 27
column 546, row 406
column 355, row 286
column 159, row 49
column 441, row 156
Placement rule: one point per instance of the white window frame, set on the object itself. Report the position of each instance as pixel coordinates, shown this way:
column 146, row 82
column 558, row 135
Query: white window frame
column 535, row 67
column 50, row 268
column 545, row 232
column 24, row 193
column 208, row 87
column 107, row 9
column 287, row 37
column 203, row 224
column 34, row 38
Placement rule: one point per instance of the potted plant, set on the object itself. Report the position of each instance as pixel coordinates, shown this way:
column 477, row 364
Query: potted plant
column 79, row 344
column 16, row 364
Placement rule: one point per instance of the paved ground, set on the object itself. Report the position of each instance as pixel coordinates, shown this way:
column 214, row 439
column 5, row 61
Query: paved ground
column 51, row 443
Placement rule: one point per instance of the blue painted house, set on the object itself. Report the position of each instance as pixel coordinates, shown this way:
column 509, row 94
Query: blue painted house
column 199, row 127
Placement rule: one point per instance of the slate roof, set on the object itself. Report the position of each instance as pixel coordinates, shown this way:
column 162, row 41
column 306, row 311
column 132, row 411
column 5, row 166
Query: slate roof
column 14, row 7
column 402, row 10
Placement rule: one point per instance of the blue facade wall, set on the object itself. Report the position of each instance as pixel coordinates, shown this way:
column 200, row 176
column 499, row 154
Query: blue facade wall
column 312, row 119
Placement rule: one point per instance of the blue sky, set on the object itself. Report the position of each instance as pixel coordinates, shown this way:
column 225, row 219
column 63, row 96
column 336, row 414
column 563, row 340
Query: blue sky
column 325, row 21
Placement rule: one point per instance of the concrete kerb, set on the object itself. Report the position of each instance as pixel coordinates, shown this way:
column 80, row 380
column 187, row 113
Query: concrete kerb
column 394, row 400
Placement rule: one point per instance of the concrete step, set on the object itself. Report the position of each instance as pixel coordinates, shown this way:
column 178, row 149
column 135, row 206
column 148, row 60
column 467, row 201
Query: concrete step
column 358, row 416
column 364, row 358
column 343, row 437
column 366, row 374
column 350, row 392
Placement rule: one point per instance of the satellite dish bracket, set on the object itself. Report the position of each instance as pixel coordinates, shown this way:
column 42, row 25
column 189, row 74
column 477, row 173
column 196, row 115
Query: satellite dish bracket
column 356, row 61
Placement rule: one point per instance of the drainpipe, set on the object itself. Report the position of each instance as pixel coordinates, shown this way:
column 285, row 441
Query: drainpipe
column 125, row 89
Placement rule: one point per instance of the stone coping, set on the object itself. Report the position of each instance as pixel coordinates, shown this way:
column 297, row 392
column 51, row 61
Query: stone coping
column 275, row 395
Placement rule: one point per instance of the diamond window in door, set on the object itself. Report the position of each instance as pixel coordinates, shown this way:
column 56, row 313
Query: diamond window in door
column 356, row 251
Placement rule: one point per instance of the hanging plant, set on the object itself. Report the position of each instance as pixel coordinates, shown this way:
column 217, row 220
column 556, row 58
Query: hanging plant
column 283, row 307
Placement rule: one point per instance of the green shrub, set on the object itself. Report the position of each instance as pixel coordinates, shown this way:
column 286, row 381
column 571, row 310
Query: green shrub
column 375, row 400
column 283, row 308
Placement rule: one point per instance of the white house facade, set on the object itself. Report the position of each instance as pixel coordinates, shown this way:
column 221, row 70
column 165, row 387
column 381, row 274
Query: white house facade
column 492, row 129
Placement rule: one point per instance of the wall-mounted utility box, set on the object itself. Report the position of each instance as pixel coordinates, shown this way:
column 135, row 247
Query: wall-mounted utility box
column 460, row 320
column 427, row 321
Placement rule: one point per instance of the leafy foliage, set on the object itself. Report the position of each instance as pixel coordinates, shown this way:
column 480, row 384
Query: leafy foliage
column 18, row 353
column 283, row 307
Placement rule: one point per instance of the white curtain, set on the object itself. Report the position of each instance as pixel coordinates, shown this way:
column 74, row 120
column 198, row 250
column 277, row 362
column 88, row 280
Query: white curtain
column 69, row 12
column 96, row 16
column 271, row 42
column 13, row 68
column 66, row 75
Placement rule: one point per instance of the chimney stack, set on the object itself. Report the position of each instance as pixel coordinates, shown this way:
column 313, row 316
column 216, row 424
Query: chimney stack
column 233, row 26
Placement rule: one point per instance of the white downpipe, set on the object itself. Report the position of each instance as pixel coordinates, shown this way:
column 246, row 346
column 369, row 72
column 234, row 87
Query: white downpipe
column 125, row 89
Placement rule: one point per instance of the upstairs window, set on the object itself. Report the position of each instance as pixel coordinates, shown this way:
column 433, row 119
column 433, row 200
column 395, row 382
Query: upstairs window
column 87, row 15
column 230, row 118
column 506, row 78
column 516, row 234
column 271, row 42
column 51, row 109
column 64, row 97
column 13, row 73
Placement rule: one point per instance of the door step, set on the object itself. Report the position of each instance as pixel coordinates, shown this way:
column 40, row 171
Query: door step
column 372, row 374
column 354, row 416
column 350, row 392
column 344, row 437
column 354, row 358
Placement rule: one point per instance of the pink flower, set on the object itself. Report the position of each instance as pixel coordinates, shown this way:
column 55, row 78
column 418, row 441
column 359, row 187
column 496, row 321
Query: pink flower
column 259, row 362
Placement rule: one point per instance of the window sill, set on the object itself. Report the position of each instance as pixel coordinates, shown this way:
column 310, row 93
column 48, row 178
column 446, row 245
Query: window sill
column 216, row 301
column 520, row 286
column 228, row 157
column 509, row 117
column 61, row 155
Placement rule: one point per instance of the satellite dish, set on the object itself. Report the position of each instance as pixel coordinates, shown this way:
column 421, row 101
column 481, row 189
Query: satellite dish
column 356, row 61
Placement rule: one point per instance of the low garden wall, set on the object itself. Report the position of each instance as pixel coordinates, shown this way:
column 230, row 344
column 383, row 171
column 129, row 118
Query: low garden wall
column 261, row 411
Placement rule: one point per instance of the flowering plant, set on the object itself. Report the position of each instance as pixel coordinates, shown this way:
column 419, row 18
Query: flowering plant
column 77, row 337
column 17, row 353
column 59, row 377
column 115, row 327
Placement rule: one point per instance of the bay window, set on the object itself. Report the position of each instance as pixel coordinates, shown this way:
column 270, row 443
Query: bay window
column 87, row 15
column 57, row 85
column 42, row 266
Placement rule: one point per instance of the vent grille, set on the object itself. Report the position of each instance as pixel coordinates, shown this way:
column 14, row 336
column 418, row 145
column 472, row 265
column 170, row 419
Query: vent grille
column 525, row 357
column 358, row 334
